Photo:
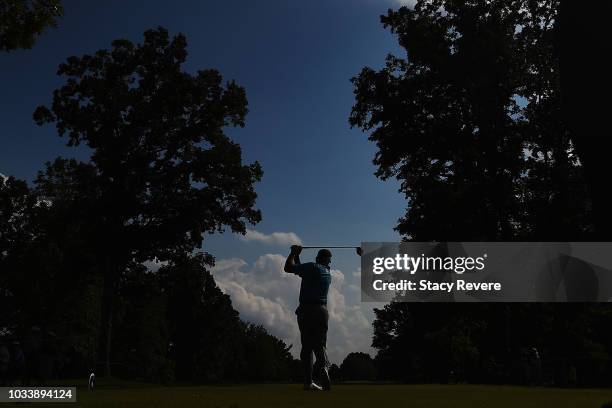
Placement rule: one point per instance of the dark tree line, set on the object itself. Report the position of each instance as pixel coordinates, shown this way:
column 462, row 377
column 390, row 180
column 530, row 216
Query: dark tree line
column 75, row 245
column 530, row 344
column 357, row 367
column 493, row 138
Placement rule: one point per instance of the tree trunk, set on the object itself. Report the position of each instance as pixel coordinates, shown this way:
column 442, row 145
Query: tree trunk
column 110, row 286
column 109, row 331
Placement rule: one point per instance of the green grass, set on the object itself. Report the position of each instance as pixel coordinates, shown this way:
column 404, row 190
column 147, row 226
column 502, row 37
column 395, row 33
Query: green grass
column 135, row 395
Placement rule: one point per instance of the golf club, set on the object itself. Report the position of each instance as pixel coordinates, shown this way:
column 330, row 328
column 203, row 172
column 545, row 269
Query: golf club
column 357, row 248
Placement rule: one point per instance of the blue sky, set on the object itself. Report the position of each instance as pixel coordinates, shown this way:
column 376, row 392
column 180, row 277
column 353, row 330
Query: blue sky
column 295, row 60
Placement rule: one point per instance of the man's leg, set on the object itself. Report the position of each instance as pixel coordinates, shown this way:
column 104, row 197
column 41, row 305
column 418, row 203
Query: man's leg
column 321, row 367
column 306, row 358
column 320, row 351
column 306, row 352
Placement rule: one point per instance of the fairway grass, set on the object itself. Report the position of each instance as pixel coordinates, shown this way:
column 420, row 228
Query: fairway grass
column 341, row 396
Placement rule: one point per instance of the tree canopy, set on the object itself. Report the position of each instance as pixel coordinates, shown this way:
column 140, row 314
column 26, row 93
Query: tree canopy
column 470, row 122
column 22, row 21
column 162, row 172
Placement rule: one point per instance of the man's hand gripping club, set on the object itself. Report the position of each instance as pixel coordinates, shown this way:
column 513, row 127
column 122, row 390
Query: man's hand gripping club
column 293, row 258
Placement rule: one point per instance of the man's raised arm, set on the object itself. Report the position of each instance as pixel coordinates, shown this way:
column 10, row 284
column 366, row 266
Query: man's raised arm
column 293, row 258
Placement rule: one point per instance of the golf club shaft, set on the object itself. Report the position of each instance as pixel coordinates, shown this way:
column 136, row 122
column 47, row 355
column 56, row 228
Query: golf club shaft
column 359, row 250
column 323, row 246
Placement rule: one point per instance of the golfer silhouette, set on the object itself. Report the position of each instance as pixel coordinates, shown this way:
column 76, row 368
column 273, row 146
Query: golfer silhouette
column 312, row 315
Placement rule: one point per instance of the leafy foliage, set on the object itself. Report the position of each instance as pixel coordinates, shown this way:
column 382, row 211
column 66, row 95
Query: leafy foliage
column 74, row 248
column 162, row 172
column 165, row 171
column 470, row 122
column 22, row 21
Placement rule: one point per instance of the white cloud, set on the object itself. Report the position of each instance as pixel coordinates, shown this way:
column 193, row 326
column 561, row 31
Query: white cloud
column 409, row 3
column 263, row 293
column 155, row 264
column 275, row 238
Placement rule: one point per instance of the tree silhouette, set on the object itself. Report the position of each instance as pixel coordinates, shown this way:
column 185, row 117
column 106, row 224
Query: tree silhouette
column 17, row 231
column 470, row 123
column 205, row 330
column 585, row 83
column 162, row 172
column 49, row 274
column 358, row 366
column 22, row 21
column 173, row 323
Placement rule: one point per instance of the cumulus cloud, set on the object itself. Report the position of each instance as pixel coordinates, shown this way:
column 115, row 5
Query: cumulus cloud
column 264, row 294
column 275, row 238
